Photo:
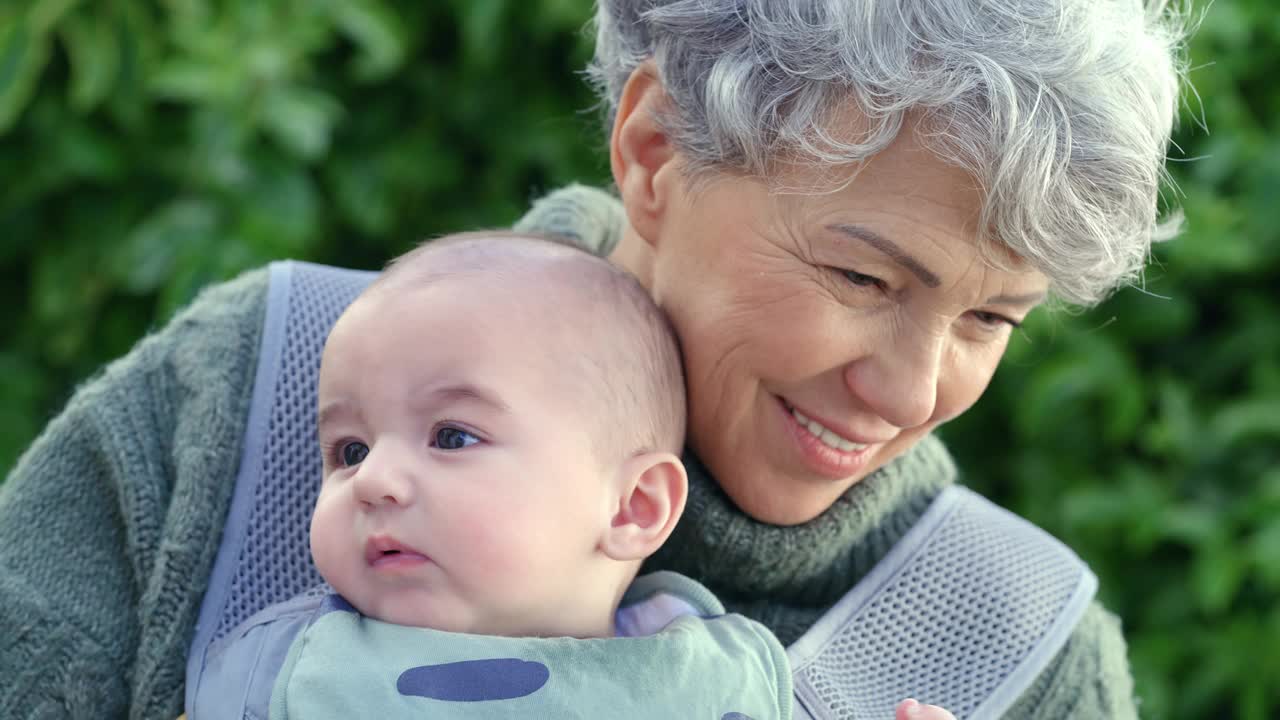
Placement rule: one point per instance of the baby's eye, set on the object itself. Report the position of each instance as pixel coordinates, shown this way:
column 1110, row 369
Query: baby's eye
column 353, row 453
column 448, row 437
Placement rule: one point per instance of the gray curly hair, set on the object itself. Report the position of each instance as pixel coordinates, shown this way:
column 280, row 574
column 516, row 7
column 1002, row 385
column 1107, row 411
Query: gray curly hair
column 1061, row 109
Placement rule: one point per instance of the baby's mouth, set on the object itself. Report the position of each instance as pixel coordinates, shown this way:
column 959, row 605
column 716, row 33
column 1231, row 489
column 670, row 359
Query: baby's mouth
column 383, row 550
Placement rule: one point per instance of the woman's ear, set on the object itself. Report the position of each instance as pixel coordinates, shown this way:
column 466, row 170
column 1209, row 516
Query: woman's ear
column 640, row 152
column 653, row 488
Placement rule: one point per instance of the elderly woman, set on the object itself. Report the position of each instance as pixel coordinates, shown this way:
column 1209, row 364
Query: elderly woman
column 845, row 206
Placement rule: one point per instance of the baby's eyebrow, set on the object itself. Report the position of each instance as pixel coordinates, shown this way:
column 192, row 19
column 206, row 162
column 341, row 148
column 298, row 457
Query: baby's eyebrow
column 330, row 411
column 462, row 392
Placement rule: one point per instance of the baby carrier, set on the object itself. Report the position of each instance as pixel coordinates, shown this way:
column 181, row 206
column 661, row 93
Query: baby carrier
column 964, row 612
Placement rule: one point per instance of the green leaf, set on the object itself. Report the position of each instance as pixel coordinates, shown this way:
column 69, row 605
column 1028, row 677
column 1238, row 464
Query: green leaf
column 1215, row 241
column 481, row 22
column 67, row 292
column 361, row 188
column 44, row 15
column 93, row 47
column 278, row 209
column 191, row 80
column 1216, row 575
column 301, row 119
column 1094, row 383
column 1174, row 430
column 139, row 41
column 376, row 30
column 1246, row 420
column 1265, row 547
column 83, row 150
column 565, row 16
column 149, row 254
column 1189, row 524
column 23, row 54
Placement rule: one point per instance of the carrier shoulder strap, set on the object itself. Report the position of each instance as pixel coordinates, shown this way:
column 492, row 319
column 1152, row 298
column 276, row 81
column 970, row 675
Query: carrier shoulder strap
column 263, row 557
column 964, row 612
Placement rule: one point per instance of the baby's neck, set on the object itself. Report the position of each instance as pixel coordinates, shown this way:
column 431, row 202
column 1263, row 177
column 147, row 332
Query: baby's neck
column 591, row 614
column 599, row 623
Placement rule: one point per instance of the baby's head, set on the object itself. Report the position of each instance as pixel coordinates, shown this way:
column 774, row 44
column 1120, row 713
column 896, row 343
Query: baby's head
column 501, row 417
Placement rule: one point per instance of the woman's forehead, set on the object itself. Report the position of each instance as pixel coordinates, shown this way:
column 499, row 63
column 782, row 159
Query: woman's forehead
column 867, row 223
column 906, row 203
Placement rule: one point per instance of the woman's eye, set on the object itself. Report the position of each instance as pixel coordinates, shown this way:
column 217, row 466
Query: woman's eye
column 448, row 437
column 993, row 320
column 858, row 279
column 353, row 453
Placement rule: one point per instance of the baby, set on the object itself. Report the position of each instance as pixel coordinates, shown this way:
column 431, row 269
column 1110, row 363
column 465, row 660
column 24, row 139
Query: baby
column 501, row 417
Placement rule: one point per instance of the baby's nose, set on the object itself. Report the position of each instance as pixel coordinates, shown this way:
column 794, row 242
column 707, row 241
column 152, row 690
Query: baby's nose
column 383, row 479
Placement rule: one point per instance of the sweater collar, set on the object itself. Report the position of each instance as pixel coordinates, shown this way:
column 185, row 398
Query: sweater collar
column 811, row 564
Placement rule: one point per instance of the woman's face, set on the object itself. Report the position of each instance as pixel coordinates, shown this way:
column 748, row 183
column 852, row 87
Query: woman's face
column 825, row 334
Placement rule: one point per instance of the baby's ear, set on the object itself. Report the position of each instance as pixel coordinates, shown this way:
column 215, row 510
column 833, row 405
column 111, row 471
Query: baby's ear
column 652, row 491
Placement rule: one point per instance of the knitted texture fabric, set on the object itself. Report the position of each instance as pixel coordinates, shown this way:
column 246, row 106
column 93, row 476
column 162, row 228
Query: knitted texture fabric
column 787, row 576
column 110, row 522
column 588, row 216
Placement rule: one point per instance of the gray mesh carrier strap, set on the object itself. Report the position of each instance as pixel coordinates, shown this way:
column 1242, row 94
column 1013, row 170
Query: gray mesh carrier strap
column 964, row 612
column 264, row 555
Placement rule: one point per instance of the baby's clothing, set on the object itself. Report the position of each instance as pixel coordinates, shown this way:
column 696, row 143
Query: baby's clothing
column 676, row 653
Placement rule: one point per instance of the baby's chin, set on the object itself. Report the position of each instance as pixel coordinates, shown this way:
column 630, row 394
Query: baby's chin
column 422, row 615
column 433, row 614
column 447, row 614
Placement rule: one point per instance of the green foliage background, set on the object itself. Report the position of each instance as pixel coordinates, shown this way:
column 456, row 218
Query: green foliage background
column 150, row 148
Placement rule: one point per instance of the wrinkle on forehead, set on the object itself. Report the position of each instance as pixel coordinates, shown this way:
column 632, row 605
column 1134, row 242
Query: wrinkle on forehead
column 919, row 188
column 953, row 256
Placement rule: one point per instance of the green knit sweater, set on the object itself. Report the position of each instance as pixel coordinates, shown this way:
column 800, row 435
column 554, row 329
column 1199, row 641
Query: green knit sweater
column 109, row 524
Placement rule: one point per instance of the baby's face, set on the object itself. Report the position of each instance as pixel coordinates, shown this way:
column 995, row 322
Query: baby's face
column 459, row 489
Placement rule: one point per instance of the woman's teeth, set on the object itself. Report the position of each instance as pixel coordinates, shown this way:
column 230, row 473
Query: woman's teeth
column 827, row 437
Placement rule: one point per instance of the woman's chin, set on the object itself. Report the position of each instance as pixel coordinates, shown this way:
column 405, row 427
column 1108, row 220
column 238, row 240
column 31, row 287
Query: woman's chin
column 799, row 503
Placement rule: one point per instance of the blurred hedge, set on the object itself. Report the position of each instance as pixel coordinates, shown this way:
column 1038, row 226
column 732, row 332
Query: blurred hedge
column 149, row 148
column 1146, row 433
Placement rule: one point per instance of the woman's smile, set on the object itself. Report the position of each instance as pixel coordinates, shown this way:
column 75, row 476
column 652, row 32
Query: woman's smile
column 822, row 450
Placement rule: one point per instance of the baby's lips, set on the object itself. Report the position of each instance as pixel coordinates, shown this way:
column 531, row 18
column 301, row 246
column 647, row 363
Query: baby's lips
column 380, row 548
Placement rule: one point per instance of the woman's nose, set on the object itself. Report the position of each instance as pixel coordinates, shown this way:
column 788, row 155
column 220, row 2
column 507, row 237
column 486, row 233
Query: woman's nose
column 899, row 381
column 383, row 478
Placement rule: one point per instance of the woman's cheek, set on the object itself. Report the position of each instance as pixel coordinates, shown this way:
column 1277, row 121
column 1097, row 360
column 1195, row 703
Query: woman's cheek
column 968, row 376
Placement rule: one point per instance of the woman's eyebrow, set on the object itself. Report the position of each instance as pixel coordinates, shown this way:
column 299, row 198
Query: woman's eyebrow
column 888, row 247
column 1025, row 299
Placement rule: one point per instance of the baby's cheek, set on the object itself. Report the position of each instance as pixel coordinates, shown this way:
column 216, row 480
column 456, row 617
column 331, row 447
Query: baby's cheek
column 326, row 549
column 499, row 554
column 490, row 550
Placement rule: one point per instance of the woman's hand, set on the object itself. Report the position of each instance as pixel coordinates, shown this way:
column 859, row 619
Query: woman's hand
column 914, row 710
